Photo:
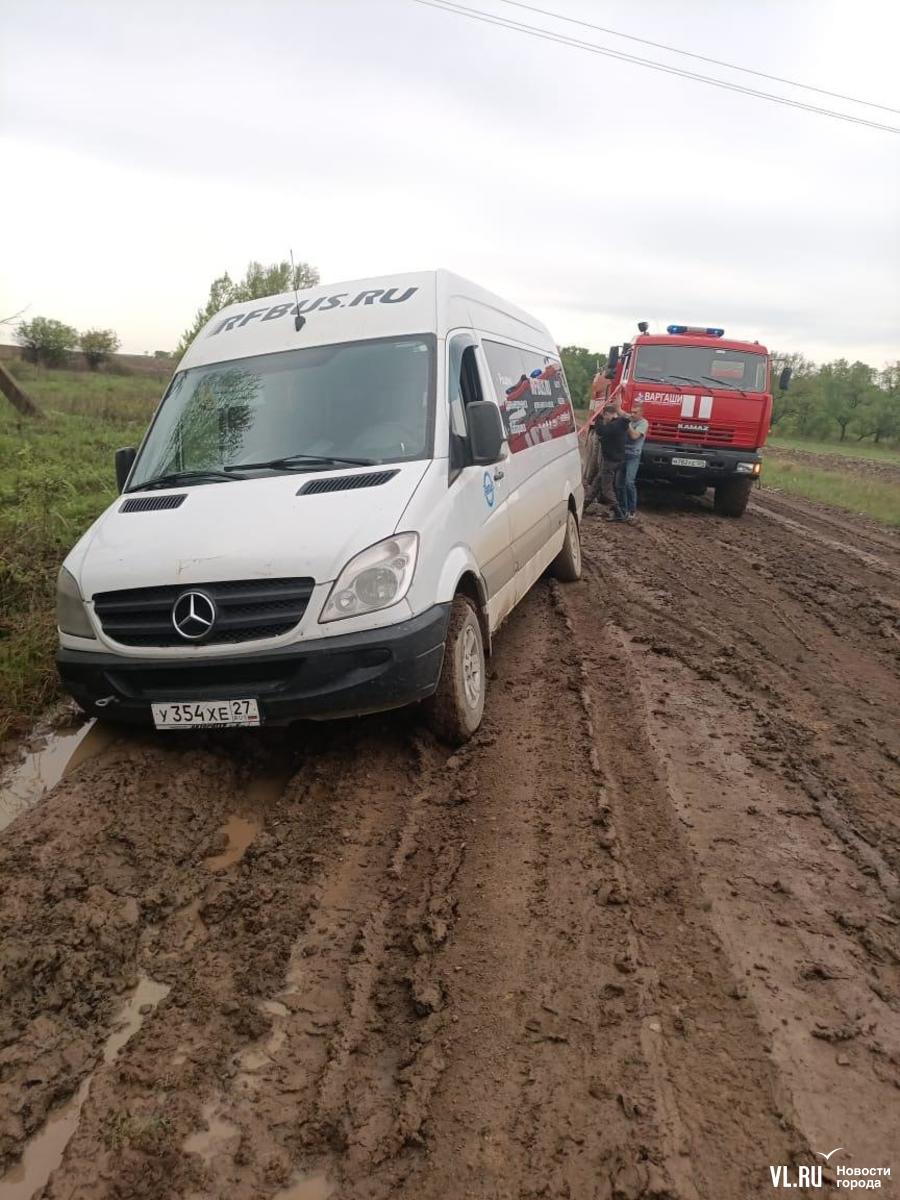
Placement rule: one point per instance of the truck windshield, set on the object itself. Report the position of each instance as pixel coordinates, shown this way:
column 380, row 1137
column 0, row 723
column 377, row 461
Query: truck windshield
column 707, row 366
column 369, row 400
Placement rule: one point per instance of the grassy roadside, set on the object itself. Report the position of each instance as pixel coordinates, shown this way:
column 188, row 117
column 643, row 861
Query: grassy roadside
column 56, row 475
column 873, row 496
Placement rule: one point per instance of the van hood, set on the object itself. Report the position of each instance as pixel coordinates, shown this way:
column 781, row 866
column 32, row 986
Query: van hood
column 246, row 529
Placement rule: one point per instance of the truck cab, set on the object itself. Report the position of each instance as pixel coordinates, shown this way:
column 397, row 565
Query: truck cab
column 708, row 402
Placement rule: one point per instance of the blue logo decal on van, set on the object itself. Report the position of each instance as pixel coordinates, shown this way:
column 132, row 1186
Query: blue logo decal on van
column 489, row 489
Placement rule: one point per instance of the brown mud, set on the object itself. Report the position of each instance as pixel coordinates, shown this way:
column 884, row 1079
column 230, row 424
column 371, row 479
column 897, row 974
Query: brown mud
column 640, row 938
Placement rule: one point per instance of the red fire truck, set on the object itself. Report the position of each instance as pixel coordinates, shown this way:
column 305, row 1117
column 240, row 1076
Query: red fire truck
column 708, row 401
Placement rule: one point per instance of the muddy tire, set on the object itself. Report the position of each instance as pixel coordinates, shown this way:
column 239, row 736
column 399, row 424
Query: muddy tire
column 454, row 711
column 566, row 567
column 732, row 496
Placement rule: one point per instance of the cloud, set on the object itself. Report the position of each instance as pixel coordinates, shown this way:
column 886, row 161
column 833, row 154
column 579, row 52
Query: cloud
column 375, row 135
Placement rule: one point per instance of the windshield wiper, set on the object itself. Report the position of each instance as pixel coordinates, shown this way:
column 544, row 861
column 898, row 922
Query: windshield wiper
column 174, row 478
column 723, row 383
column 658, row 379
column 688, row 379
column 298, row 462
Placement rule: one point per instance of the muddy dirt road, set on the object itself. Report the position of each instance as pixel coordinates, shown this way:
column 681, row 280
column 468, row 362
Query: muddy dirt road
column 640, row 938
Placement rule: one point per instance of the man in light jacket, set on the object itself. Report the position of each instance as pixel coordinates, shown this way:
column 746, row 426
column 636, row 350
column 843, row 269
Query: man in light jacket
column 626, row 488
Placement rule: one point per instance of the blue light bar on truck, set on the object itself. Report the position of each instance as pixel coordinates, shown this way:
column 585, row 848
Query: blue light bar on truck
column 695, row 329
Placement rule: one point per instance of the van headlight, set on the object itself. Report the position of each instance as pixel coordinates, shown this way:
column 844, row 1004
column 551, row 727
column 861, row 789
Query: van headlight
column 71, row 616
column 374, row 579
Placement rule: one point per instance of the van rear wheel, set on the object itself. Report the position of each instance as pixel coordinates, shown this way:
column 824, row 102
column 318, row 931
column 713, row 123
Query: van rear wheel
column 455, row 710
column 566, row 567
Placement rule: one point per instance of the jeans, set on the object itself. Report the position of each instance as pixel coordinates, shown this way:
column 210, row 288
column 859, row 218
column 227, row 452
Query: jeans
column 626, row 489
column 606, row 484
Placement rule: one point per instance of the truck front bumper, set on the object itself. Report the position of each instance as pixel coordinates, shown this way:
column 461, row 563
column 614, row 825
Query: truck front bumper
column 331, row 677
column 658, row 462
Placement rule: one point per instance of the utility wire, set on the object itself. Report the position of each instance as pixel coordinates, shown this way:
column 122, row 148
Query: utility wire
column 700, row 57
column 547, row 35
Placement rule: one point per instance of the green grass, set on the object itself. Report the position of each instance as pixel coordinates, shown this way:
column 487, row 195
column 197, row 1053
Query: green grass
column 852, row 449
column 56, row 476
column 875, row 497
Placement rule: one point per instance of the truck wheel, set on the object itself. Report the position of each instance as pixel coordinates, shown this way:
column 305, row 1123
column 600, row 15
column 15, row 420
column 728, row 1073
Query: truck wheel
column 732, row 496
column 566, row 567
column 454, row 711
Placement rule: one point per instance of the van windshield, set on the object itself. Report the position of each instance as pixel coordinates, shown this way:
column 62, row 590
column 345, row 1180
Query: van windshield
column 706, row 366
column 370, row 400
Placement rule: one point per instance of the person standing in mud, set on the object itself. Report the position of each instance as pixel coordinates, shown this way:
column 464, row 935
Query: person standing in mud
column 612, row 432
column 592, row 442
column 627, row 487
column 591, row 454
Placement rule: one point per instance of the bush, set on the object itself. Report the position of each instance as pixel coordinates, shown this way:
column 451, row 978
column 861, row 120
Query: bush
column 46, row 341
column 97, row 345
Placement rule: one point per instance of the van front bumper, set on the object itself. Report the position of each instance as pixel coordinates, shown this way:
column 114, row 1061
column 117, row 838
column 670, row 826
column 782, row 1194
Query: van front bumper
column 340, row 676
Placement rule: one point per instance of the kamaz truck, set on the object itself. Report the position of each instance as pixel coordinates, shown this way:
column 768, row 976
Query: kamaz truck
column 708, row 401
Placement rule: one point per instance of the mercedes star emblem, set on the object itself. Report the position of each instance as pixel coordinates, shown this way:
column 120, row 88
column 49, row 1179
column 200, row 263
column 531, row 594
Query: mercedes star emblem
column 193, row 615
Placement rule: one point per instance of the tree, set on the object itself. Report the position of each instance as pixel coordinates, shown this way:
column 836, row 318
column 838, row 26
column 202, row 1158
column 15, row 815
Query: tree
column 46, row 341
column 878, row 417
column 803, row 372
column 97, row 345
column 258, row 281
column 847, row 387
column 581, row 366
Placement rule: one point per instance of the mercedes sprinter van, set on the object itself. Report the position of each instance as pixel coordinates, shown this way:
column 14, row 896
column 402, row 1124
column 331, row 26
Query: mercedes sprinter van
column 341, row 496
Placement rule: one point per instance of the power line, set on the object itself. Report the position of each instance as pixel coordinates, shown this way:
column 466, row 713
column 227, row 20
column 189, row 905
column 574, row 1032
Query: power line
column 592, row 48
column 700, row 57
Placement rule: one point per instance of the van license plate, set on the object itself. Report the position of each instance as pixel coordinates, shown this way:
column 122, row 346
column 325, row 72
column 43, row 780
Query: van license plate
column 205, row 714
column 688, row 462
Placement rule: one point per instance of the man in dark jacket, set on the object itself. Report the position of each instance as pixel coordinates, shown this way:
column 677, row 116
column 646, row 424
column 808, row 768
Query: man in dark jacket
column 612, row 431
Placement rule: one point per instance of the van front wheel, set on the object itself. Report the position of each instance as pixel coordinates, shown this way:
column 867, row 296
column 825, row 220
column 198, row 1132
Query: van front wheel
column 455, row 709
column 566, row 567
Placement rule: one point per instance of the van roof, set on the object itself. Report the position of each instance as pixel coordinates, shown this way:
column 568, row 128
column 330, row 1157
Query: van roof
column 386, row 306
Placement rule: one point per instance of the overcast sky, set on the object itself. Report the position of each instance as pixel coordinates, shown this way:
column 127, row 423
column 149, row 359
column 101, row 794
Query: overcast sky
column 147, row 147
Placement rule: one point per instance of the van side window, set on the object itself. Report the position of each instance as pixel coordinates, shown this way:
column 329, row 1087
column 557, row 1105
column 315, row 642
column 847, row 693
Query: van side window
column 533, row 394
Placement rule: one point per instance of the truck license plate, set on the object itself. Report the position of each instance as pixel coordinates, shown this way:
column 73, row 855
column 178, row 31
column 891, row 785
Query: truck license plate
column 688, row 462
column 205, row 714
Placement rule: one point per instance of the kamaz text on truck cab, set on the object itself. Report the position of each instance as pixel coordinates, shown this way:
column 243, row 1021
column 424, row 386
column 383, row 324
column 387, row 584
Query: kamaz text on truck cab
column 708, row 402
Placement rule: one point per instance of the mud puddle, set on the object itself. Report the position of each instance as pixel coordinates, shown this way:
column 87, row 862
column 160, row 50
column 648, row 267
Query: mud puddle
column 309, row 1187
column 241, row 831
column 219, row 1136
column 44, row 1152
column 40, row 769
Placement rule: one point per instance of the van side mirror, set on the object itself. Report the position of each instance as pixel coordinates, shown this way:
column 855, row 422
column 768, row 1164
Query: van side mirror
column 124, row 462
column 486, row 434
column 784, row 379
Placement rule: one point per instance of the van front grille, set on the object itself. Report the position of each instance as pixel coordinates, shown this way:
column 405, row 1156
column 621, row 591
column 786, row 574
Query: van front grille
column 245, row 610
